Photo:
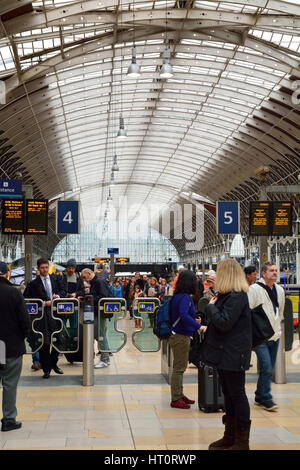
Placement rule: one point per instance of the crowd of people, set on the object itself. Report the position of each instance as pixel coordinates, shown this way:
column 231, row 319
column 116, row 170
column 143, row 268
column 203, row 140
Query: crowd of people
column 230, row 292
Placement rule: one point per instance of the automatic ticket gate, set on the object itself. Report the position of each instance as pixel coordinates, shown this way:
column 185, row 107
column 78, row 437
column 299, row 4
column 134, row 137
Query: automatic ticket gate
column 110, row 312
column 35, row 339
column 66, row 313
column 144, row 339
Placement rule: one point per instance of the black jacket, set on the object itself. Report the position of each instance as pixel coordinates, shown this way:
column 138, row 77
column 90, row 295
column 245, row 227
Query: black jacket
column 63, row 281
column 228, row 338
column 14, row 319
column 99, row 289
column 36, row 290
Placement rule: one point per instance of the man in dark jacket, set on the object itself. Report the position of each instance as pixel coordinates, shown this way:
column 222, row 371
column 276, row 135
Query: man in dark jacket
column 46, row 288
column 14, row 328
column 99, row 289
column 71, row 281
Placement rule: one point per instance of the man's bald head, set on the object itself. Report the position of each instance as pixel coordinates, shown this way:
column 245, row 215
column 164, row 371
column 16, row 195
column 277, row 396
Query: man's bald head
column 87, row 274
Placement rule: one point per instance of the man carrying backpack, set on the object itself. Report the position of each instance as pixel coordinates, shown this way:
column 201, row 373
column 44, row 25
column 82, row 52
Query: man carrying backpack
column 271, row 296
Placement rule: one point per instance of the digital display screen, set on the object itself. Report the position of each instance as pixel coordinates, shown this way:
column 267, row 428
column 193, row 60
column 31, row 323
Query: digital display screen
column 13, row 217
column 122, row 260
column 260, row 218
column 282, row 218
column 36, row 217
column 102, row 260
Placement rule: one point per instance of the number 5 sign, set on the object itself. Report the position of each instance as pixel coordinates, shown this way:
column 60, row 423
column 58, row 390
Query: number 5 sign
column 228, row 217
column 67, row 217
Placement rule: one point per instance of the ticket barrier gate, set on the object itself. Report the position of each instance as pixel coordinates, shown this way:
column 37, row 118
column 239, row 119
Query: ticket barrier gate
column 144, row 339
column 110, row 312
column 35, row 339
column 66, row 313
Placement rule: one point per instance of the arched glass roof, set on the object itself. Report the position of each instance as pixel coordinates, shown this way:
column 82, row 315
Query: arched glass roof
column 230, row 107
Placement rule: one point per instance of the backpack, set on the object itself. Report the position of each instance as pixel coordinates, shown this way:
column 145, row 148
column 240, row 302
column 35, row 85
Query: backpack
column 162, row 323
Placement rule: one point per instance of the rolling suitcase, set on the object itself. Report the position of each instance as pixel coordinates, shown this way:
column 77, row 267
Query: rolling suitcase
column 210, row 395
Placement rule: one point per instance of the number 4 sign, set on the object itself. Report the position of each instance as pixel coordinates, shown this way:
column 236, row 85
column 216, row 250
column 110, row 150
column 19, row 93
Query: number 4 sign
column 228, row 217
column 67, row 217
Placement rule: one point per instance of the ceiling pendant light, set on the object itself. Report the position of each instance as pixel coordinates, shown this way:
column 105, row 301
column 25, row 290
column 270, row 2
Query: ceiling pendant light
column 109, row 197
column 133, row 69
column 112, row 178
column 115, row 166
column 166, row 70
column 121, row 133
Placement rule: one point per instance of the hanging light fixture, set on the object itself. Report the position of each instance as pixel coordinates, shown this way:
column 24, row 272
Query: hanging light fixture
column 121, row 133
column 166, row 70
column 112, row 178
column 133, row 69
column 115, row 166
column 109, row 197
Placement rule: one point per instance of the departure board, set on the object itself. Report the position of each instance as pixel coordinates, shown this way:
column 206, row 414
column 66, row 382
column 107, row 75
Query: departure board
column 122, row 260
column 13, row 216
column 282, row 218
column 260, row 218
column 36, row 217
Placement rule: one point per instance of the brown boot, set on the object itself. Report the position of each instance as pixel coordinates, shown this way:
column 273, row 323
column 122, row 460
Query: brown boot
column 229, row 434
column 140, row 324
column 241, row 439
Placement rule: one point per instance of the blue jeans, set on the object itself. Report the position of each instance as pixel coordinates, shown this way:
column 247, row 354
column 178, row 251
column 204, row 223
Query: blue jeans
column 266, row 354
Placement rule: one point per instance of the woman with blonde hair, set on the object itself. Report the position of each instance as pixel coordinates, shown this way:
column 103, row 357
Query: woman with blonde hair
column 227, row 347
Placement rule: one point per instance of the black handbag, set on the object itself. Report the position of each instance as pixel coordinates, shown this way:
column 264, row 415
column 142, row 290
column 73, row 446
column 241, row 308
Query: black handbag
column 262, row 329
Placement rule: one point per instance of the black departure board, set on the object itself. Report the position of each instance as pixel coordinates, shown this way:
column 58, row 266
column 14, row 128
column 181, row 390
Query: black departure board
column 282, row 218
column 260, row 218
column 36, row 216
column 13, row 216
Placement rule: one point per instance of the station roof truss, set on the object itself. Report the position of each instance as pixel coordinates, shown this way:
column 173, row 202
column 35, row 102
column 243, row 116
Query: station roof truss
column 231, row 106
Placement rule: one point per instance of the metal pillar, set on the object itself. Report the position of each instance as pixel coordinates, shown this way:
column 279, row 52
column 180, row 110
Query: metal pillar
column 298, row 262
column 263, row 241
column 88, row 341
column 278, row 261
column 112, row 268
column 28, row 193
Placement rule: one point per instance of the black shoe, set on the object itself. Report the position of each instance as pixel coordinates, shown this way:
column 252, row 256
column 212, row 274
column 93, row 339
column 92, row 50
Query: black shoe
column 46, row 375
column 10, row 426
column 57, row 370
column 269, row 406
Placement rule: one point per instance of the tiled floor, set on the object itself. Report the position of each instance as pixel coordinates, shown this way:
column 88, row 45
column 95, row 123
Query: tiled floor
column 136, row 416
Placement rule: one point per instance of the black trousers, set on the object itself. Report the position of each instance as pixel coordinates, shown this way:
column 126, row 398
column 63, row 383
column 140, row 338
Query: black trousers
column 236, row 401
column 48, row 360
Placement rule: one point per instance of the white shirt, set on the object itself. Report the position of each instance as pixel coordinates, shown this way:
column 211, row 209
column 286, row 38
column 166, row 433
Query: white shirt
column 49, row 284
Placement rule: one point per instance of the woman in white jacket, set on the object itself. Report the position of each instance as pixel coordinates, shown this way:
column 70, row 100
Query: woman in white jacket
column 272, row 298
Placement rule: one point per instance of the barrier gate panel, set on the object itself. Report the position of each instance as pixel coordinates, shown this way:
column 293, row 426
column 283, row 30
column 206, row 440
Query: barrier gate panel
column 145, row 340
column 66, row 312
column 110, row 312
column 35, row 339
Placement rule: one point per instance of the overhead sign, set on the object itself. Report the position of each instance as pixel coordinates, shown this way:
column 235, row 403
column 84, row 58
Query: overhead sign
column 122, row 260
column 101, row 260
column 228, row 217
column 260, row 218
column 271, row 218
column 13, row 216
column 67, row 217
column 36, row 216
column 282, row 218
column 11, row 188
column 112, row 251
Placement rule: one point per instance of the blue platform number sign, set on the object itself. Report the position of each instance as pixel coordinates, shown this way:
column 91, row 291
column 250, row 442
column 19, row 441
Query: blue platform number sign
column 67, row 217
column 228, row 217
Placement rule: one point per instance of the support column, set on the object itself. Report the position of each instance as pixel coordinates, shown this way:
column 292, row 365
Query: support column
column 263, row 241
column 298, row 262
column 28, row 192
column 278, row 261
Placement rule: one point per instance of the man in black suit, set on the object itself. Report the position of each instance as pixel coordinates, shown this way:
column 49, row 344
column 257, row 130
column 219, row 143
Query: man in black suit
column 46, row 288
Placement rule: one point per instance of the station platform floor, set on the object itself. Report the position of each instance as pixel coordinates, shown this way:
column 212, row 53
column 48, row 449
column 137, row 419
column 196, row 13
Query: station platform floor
column 128, row 408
